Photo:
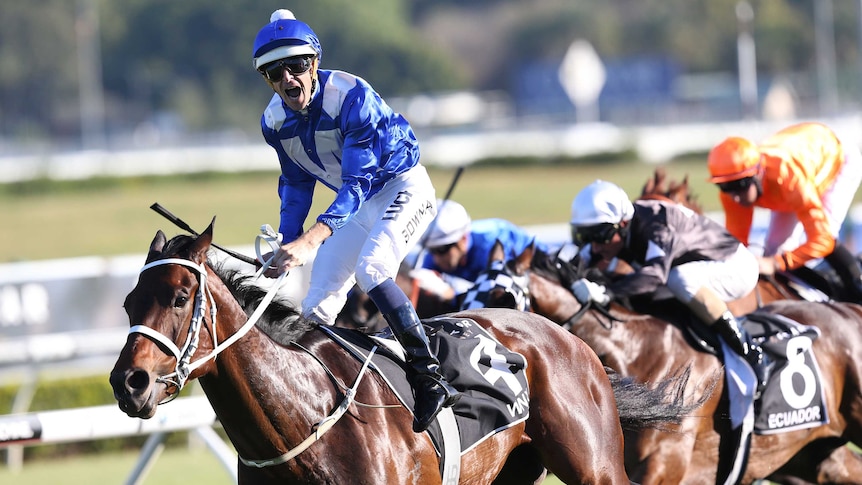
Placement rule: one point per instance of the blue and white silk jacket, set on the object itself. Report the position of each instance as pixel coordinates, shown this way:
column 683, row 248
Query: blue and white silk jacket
column 347, row 138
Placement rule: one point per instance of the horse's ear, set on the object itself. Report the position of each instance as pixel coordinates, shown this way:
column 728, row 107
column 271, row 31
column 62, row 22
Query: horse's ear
column 157, row 245
column 198, row 250
column 522, row 262
column 497, row 253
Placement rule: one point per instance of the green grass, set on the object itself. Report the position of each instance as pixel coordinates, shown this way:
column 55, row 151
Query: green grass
column 47, row 220
column 175, row 466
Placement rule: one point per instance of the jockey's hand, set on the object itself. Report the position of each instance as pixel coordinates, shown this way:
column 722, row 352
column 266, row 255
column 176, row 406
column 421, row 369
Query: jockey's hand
column 767, row 265
column 431, row 281
column 585, row 291
column 297, row 252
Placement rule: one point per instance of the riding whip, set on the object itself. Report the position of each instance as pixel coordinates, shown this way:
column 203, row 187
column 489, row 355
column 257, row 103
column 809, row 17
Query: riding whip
column 182, row 225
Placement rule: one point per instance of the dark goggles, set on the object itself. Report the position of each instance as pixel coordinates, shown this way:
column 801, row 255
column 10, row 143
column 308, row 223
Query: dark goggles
column 274, row 71
column 735, row 186
column 441, row 250
column 599, row 233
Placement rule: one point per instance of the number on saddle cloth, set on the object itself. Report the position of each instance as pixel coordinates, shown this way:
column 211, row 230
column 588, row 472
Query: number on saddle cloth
column 794, row 397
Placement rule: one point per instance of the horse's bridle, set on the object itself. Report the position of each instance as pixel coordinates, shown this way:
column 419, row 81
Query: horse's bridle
column 498, row 276
column 184, row 367
column 518, row 285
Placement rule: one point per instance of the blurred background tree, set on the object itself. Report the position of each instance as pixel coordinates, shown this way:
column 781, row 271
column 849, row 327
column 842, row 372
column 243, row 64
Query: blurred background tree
column 185, row 66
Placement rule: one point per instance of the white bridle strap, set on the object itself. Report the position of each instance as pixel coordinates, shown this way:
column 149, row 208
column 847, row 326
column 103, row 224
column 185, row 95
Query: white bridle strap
column 184, row 355
column 149, row 332
column 184, row 367
column 200, row 268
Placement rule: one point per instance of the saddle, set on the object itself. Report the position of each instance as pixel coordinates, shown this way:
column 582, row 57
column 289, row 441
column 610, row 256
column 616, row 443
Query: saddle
column 490, row 377
column 820, row 283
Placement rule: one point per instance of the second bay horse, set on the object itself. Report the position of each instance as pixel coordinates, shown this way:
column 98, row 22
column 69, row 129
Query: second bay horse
column 647, row 347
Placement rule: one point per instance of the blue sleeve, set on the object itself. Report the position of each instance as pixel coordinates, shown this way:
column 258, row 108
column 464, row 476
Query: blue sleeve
column 296, row 192
column 364, row 126
column 517, row 240
column 295, row 188
column 428, row 262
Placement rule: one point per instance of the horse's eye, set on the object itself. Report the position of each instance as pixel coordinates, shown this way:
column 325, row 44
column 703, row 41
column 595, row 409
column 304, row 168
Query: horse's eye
column 181, row 301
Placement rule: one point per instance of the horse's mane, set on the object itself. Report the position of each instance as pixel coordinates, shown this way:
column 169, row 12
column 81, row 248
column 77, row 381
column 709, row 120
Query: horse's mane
column 280, row 320
column 660, row 188
column 550, row 266
column 177, row 246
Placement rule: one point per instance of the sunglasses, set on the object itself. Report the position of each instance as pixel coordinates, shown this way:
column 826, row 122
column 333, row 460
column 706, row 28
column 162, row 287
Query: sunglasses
column 735, row 186
column 441, row 250
column 274, row 71
column 600, row 233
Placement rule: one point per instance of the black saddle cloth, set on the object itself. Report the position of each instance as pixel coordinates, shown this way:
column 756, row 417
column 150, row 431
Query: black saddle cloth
column 491, row 378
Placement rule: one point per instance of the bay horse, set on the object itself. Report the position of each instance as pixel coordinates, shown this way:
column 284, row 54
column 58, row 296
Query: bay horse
column 646, row 347
column 271, row 381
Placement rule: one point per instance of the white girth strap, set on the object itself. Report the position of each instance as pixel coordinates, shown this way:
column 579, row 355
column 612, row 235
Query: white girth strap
column 320, row 428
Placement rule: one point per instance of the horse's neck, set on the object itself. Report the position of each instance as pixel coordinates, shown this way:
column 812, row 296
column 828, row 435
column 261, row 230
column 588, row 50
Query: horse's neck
column 630, row 343
column 255, row 383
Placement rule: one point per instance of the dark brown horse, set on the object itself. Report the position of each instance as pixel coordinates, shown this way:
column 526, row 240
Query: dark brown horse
column 272, row 382
column 647, row 347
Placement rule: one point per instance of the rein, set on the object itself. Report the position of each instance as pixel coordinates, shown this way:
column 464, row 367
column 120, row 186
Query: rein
column 781, row 290
column 572, row 320
column 319, row 429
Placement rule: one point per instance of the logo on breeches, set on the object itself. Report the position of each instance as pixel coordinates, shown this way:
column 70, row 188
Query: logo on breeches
column 412, row 225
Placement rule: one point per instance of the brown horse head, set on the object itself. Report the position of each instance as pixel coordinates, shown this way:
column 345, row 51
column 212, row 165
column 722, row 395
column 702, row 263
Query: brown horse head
column 162, row 303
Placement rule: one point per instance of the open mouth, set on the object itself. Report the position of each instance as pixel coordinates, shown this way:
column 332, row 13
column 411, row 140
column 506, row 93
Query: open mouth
column 293, row 92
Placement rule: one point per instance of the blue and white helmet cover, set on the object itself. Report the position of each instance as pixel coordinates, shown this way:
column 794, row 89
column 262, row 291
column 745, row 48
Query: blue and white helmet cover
column 284, row 36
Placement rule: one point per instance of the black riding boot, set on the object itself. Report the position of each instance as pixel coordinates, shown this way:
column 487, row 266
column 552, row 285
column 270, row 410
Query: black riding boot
column 738, row 339
column 432, row 391
column 847, row 268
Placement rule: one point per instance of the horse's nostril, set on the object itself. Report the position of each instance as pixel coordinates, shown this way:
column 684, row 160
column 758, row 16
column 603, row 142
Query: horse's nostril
column 137, row 380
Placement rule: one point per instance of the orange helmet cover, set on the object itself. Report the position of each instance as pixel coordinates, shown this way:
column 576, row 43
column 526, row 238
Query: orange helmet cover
column 733, row 159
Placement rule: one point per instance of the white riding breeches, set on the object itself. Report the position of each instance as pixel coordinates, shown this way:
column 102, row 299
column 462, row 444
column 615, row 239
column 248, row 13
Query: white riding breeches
column 729, row 280
column 370, row 247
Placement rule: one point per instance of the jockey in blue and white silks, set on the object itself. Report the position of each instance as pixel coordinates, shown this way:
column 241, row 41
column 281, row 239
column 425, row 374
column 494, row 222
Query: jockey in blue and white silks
column 347, row 138
column 332, row 127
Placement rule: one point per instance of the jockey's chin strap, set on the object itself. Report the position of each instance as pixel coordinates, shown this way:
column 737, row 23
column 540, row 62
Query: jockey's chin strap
column 184, row 366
